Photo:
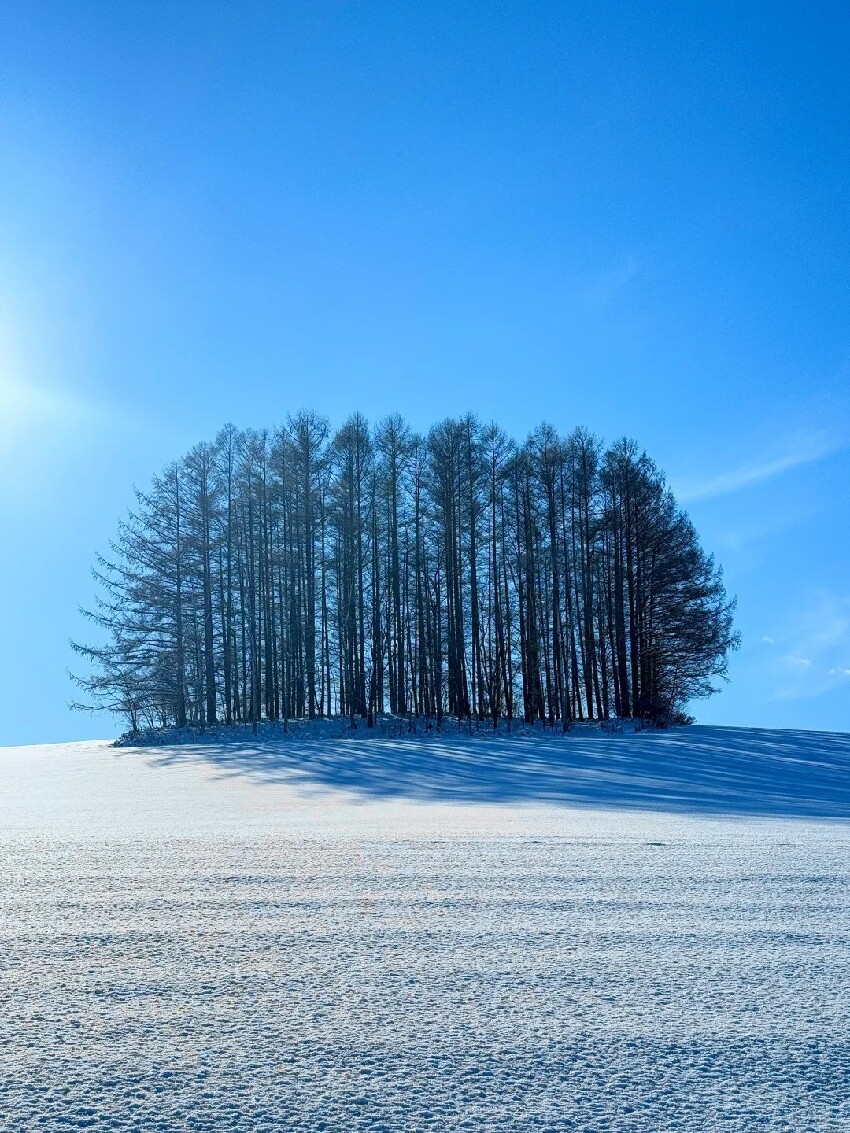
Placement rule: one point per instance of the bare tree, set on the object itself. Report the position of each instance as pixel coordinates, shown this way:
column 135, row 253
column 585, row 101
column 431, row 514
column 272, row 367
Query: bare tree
column 273, row 575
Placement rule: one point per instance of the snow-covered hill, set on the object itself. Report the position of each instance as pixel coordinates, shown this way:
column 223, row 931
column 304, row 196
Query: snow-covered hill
column 600, row 933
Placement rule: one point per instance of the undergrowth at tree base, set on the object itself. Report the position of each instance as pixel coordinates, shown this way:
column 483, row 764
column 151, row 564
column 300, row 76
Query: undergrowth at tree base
column 385, row 727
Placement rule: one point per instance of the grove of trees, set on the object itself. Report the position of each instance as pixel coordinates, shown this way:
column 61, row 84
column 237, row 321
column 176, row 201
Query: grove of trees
column 291, row 573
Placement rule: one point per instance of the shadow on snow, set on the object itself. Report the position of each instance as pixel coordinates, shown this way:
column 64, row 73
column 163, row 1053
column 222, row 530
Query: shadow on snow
column 711, row 770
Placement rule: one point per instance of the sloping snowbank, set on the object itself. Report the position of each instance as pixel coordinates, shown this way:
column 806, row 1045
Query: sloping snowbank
column 681, row 770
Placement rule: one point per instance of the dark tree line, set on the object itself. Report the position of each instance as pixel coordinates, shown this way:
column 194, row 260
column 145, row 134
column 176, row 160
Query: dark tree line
column 299, row 573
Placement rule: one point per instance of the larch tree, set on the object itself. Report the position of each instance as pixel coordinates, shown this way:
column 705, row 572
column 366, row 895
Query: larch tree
column 272, row 575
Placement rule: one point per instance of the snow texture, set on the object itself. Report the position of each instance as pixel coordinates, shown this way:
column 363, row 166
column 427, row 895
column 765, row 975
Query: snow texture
column 594, row 933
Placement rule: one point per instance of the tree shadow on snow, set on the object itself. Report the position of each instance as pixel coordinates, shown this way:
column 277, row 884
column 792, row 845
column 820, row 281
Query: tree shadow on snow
column 743, row 771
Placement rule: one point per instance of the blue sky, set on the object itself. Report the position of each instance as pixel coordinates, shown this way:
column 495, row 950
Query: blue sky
column 632, row 220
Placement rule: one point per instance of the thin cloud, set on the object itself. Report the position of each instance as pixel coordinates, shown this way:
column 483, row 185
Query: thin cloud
column 813, row 652
column 606, row 286
column 803, row 451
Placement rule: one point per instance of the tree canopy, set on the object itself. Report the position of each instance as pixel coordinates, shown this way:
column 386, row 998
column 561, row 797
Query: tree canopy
column 301, row 573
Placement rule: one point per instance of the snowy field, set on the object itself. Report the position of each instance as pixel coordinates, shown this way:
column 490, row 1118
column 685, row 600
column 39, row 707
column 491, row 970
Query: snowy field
column 616, row 933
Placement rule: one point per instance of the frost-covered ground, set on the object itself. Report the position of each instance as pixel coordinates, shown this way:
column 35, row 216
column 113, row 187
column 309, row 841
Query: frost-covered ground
column 599, row 933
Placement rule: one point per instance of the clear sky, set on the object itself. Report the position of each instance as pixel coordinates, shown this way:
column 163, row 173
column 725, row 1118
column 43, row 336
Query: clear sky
column 632, row 217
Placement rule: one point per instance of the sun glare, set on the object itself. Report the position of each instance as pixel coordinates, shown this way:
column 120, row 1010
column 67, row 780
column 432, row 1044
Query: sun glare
column 25, row 407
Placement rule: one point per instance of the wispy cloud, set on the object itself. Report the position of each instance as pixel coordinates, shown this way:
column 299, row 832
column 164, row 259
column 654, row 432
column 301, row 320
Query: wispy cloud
column 812, row 655
column 798, row 452
column 608, row 284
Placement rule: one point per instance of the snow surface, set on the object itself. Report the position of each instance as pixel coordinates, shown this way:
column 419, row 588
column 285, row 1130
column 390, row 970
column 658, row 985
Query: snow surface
column 594, row 933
